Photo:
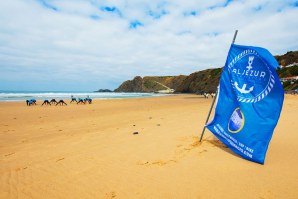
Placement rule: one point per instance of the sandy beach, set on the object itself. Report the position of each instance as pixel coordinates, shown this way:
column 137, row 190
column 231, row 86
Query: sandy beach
column 137, row 148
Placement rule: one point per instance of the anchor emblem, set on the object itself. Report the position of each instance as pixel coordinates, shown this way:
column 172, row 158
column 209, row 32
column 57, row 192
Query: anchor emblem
column 242, row 90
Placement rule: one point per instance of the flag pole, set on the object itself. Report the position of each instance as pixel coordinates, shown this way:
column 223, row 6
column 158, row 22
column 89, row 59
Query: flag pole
column 214, row 99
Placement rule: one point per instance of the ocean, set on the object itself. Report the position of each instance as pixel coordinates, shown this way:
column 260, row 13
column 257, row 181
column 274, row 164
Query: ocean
column 38, row 95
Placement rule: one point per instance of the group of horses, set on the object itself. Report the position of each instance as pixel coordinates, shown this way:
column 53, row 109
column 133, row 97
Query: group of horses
column 60, row 102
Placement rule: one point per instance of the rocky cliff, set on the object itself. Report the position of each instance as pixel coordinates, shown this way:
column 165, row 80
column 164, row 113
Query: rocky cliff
column 288, row 58
column 149, row 83
column 135, row 85
column 202, row 81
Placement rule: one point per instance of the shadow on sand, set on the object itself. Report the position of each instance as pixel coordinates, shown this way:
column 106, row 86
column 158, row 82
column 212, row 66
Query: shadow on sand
column 217, row 143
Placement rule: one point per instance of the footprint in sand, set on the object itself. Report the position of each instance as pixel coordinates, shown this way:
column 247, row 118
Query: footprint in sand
column 110, row 195
column 157, row 162
column 60, row 159
column 203, row 151
column 192, row 143
column 163, row 162
column 181, row 151
column 9, row 154
column 18, row 169
column 195, row 143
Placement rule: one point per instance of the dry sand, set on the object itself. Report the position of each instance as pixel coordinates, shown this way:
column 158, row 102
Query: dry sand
column 90, row 151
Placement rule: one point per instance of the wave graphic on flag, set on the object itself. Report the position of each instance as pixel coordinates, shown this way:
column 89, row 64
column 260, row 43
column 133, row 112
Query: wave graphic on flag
column 249, row 102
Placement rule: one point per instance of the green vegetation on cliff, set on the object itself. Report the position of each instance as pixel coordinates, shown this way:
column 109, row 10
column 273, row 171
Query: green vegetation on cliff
column 288, row 72
column 149, row 83
column 288, row 58
column 204, row 81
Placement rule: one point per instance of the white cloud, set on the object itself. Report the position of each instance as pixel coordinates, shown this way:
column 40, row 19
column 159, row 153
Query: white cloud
column 90, row 42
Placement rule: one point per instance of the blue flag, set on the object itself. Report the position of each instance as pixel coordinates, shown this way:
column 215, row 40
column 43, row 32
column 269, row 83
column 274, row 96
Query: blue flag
column 249, row 102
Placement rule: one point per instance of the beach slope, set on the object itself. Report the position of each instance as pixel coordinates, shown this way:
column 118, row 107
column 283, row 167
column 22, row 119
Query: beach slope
column 137, row 148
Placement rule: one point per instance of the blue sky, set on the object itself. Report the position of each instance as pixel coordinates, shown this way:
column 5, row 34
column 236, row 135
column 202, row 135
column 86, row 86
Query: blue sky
column 84, row 45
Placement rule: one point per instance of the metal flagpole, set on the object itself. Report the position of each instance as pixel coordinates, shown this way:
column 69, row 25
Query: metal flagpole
column 234, row 38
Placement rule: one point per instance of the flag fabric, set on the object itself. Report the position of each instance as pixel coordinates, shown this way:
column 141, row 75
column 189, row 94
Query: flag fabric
column 249, row 102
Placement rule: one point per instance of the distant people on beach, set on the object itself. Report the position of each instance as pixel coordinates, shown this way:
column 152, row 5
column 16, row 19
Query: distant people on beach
column 61, row 103
column 46, row 102
column 53, row 101
column 73, row 99
column 31, row 102
column 81, row 101
column 293, row 92
column 88, row 99
column 206, row 95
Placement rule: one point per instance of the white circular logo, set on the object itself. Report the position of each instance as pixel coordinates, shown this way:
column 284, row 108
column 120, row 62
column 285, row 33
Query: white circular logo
column 250, row 77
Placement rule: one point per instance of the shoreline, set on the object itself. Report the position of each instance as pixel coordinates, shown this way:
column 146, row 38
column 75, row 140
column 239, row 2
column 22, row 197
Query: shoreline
column 41, row 96
column 116, row 98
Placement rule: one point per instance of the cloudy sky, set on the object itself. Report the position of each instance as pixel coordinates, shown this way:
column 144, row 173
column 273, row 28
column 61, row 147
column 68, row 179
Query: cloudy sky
column 84, row 45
